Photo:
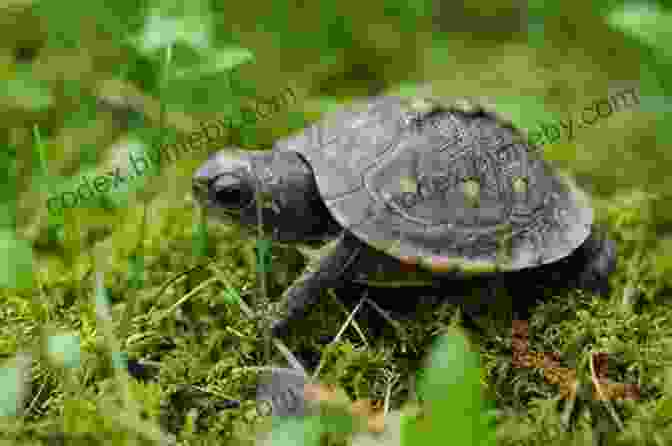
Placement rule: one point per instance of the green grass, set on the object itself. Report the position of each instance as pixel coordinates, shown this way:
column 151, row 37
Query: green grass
column 218, row 347
column 188, row 298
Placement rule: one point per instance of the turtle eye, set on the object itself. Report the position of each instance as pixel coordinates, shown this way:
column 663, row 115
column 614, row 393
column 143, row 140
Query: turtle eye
column 231, row 192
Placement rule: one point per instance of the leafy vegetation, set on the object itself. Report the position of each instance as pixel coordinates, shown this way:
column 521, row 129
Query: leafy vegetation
column 136, row 281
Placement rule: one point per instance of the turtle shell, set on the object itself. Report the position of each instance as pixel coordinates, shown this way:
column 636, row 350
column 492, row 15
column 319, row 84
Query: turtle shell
column 451, row 187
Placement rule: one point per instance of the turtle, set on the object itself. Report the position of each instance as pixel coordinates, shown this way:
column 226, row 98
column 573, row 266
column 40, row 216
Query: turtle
column 392, row 192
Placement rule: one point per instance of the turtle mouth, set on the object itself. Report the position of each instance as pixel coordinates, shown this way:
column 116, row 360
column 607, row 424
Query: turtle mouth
column 201, row 193
column 243, row 219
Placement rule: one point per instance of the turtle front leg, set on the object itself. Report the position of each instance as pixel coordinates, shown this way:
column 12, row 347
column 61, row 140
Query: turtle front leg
column 322, row 271
column 599, row 262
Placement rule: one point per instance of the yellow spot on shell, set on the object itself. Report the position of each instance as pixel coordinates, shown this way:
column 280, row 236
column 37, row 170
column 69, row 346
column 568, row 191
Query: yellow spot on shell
column 520, row 185
column 504, row 250
column 408, row 184
column 471, row 190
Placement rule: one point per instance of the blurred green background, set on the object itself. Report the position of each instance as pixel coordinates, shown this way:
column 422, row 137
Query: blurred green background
column 92, row 79
column 537, row 62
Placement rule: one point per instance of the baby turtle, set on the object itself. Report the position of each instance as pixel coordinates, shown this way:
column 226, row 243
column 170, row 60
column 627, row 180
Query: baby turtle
column 451, row 188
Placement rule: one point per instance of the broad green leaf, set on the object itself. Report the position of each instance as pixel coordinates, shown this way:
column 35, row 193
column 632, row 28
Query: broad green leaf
column 231, row 296
column 295, row 432
column 14, row 384
column 659, row 104
column 161, row 31
column 120, row 360
column 102, row 300
column 64, row 350
column 646, row 22
column 528, row 113
column 8, row 214
column 452, row 390
column 219, row 61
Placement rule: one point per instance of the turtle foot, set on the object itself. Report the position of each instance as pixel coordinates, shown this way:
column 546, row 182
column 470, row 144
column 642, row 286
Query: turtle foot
column 600, row 263
column 280, row 329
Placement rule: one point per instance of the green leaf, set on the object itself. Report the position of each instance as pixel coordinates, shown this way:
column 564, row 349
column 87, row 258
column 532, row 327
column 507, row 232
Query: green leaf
column 263, row 250
column 64, row 350
column 452, row 390
column 526, row 112
column 220, row 61
column 17, row 268
column 120, row 360
column 295, row 432
column 14, row 385
column 162, row 30
column 646, row 22
column 8, row 214
column 231, row 295
column 102, row 302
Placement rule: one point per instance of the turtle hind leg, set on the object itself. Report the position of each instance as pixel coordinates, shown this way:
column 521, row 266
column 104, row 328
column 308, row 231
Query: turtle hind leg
column 488, row 307
column 599, row 262
column 323, row 271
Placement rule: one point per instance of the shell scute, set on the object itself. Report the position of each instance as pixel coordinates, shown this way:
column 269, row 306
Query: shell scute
column 457, row 188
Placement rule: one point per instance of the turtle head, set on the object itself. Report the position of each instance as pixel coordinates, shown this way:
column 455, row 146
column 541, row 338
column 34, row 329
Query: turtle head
column 233, row 184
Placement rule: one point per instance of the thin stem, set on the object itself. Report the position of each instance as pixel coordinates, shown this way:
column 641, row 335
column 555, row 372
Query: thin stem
column 262, row 274
column 250, row 314
column 178, row 277
column 603, row 397
column 188, row 295
column 338, row 335
column 40, row 149
column 162, row 104
column 355, row 325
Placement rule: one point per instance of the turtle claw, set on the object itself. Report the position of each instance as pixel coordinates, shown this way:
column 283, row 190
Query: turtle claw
column 280, row 329
column 600, row 264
